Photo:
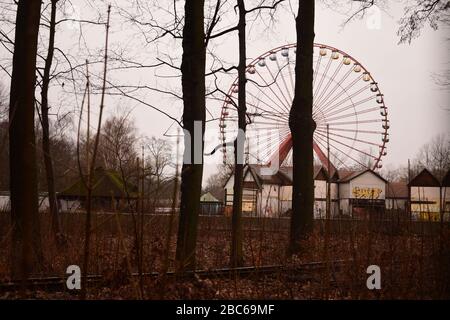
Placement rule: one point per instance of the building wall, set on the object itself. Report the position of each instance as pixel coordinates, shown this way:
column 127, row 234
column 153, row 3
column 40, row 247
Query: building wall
column 274, row 200
column 446, row 198
column 249, row 201
column 5, row 204
column 270, row 204
column 229, row 191
column 344, row 190
column 344, row 206
column 320, row 191
column 70, row 205
column 367, row 186
column 446, row 202
column 425, row 203
column 396, row 203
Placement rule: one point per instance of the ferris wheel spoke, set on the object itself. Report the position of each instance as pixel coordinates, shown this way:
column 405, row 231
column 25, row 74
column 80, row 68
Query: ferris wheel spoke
column 274, row 137
column 337, row 86
column 267, row 85
column 350, row 138
column 269, row 139
column 347, row 155
column 290, row 97
column 283, row 115
column 348, row 146
column 267, row 128
column 330, row 80
column 347, row 98
column 353, row 130
column 265, row 103
column 326, row 103
column 359, row 112
column 280, row 72
column 350, row 106
column 273, row 150
column 353, row 122
column 316, row 69
column 281, row 124
column 265, row 114
column 332, row 154
column 271, row 116
column 291, row 78
column 283, row 106
column 344, row 90
column 268, row 134
column 322, row 77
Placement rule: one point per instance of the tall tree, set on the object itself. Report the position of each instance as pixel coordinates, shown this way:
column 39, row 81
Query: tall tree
column 26, row 242
column 237, row 257
column 193, row 87
column 434, row 155
column 48, row 161
column 302, row 128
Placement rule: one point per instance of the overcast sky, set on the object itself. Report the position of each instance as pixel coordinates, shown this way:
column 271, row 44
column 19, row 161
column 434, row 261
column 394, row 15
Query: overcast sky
column 418, row 107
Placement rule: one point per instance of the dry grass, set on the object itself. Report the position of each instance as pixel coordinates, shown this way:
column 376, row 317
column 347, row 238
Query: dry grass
column 414, row 259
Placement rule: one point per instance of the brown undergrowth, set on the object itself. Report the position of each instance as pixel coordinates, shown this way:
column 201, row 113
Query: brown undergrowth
column 414, row 259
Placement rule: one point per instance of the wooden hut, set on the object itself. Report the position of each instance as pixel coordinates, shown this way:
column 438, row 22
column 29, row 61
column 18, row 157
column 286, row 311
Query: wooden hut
column 109, row 193
column 210, row 205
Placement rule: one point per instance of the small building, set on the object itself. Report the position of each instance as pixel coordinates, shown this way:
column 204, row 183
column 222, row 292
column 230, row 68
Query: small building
column 210, row 205
column 362, row 193
column 320, row 192
column 261, row 194
column 397, row 196
column 425, row 196
column 271, row 195
column 5, row 203
column 109, row 193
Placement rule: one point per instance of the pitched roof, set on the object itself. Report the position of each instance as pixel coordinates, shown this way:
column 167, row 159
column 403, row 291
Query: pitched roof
column 397, row 190
column 347, row 175
column 283, row 176
column 278, row 178
column 319, row 172
column 106, row 183
column 208, row 197
column 424, row 179
column 344, row 173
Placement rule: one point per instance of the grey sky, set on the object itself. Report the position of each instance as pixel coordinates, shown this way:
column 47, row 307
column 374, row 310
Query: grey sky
column 418, row 108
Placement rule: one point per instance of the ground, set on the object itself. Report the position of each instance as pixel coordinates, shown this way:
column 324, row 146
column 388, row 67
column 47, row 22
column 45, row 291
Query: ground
column 414, row 259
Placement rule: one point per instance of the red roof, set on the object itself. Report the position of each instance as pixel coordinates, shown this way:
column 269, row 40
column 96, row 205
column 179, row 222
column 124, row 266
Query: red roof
column 347, row 175
column 397, row 190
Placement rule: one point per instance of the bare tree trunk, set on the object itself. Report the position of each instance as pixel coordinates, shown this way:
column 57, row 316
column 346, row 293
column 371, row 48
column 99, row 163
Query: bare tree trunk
column 193, row 83
column 48, row 162
column 26, row 241
column 91, row 173
column 237, row 257
column 302, row 128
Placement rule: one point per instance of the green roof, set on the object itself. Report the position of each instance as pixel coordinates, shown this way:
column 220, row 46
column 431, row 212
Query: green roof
column 208, row 197
column 106, row 183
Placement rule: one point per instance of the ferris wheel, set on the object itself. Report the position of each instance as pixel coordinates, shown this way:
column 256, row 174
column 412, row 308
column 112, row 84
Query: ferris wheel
column 346, row 99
